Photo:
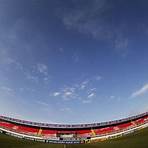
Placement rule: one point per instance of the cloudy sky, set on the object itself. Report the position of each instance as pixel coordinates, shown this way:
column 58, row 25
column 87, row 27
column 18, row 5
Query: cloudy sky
column 73, row 61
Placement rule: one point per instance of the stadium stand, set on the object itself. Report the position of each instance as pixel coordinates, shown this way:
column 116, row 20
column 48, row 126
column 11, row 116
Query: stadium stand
column 72, row 133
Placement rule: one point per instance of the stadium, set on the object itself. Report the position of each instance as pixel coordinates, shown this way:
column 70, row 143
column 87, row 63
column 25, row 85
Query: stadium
column 73, row 73
column 72, row 134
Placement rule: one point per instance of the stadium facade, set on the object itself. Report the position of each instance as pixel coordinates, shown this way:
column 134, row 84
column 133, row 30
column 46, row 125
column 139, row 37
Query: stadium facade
column 74, row 133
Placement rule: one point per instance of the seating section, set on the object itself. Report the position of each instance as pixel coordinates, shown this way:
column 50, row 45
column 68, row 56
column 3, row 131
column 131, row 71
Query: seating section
column 28, row 130
column 84, row 133
column 48, row 133
column 19, row 128
column 80, row 133
column 6, row 125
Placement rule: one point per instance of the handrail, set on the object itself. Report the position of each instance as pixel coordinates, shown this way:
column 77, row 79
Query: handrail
column 72, row 126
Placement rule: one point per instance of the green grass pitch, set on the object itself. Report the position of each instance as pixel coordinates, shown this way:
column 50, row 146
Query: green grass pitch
column 135, row 140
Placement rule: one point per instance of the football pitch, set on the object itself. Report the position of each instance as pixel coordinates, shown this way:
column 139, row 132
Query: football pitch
column 135, row 140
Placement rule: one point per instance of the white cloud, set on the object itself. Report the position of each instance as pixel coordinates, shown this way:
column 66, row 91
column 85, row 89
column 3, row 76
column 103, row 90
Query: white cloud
column 98, row 78
column 31, row 77
column 78, row 91
column 84, row 18
column 112, row 97
column 68, row 95
column 66, row 109
column 121, row 45
column 91, row 18
column 46, row 79
column 86, row 101
column 8, row 61
column 42, row 103
column 91, row 95
column 61, row 49
column 40, row 69
column 55, row 94
column 7, row 90
column 75, row 58
column 84, row 84
column 43, row 69
column 89, row 98
column 88, row 82
column 71, row 89
column 26, row 89
column 93, row 89
column 141, row 91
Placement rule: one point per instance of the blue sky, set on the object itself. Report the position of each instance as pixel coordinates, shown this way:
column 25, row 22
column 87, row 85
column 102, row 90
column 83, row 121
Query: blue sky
column 73, row 61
